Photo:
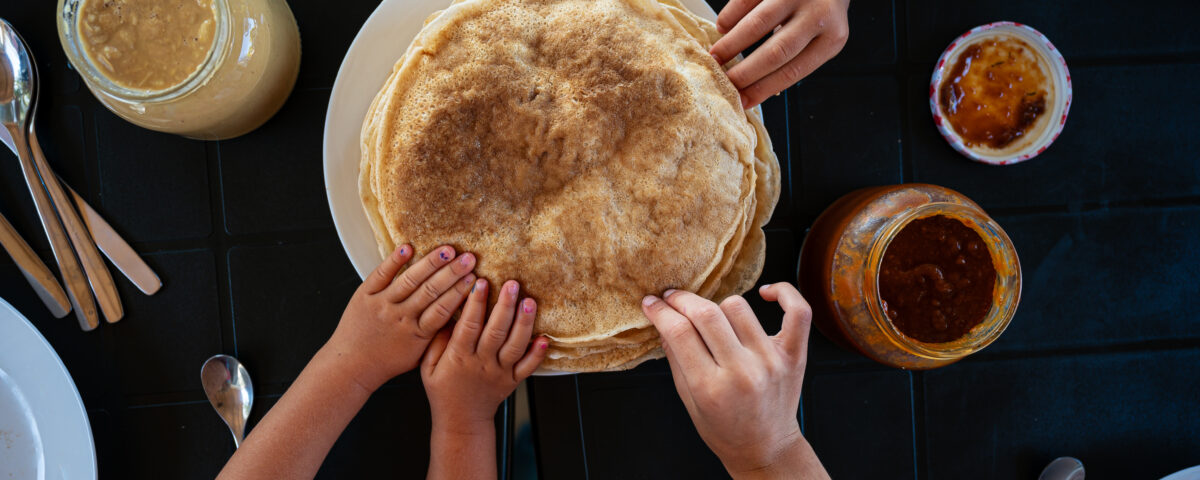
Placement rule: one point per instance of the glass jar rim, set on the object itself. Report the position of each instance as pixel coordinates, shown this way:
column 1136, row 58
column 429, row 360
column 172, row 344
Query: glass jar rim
column 1001, row 313
column 68, row 32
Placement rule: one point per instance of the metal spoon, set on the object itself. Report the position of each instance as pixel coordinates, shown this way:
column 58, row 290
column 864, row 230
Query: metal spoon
column 17, row 89
column 229, row 390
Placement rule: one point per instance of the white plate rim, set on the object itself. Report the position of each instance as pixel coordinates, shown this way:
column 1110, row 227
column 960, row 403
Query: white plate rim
column 52, row 396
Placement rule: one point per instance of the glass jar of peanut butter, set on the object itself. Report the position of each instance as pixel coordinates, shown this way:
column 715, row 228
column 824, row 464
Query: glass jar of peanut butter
column 913, row 276
column 204, row 69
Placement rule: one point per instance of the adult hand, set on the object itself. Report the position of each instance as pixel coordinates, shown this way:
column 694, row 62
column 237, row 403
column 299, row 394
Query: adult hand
column 807, row 33
column 740, row 386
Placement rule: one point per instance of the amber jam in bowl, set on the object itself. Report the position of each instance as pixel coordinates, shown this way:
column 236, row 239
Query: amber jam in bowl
column 1000, row 93
column 849, row 245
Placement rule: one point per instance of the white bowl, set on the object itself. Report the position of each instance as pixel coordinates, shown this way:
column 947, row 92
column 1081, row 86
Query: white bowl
column 1059, row 76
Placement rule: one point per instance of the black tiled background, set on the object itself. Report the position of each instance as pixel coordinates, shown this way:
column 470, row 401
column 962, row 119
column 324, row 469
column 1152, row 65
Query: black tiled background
column 1102, row 361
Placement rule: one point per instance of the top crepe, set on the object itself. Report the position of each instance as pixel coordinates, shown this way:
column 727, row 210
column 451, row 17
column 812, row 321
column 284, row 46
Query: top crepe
column 590, row 149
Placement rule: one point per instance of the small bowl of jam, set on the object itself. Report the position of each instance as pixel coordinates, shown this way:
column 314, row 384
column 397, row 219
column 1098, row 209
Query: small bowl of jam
column 914, row 276
column 1000, row 93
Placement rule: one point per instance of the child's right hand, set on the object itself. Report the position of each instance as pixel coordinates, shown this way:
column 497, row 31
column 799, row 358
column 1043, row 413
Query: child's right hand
column 470, row 371
column 391, row 319
column 740, row 386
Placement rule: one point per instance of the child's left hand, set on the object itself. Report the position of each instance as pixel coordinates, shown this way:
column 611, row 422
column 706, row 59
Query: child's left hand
column 468, row 374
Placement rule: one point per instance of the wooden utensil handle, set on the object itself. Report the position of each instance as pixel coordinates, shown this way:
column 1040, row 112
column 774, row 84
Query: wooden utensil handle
column 39, row 276
column 97, row 272
column 73, row 276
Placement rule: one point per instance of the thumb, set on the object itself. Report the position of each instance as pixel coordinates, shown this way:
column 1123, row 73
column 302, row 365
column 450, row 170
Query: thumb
column 797, row 317
column 434, row 353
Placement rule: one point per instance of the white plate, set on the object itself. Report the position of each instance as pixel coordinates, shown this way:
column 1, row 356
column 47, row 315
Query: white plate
column 381, row 41
column 44, row 430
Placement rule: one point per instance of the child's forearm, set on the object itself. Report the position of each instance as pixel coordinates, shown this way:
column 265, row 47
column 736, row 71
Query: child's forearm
column 462, row 450
column 296, row 434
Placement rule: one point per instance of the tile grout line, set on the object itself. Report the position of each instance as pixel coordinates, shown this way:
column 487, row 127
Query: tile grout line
column 220, row 250
column 582, row 443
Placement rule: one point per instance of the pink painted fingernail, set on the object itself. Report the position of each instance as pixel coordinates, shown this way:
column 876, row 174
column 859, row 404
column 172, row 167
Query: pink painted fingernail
column 648, row 300
column 513, row 287
column 527, row 306
column 466, row 259
column 544, row 345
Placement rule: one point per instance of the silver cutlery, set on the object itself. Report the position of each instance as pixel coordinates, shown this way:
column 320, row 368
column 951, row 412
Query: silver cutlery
column 85, row 248
column 230, row 391
column 39, row 276
column 17, row 86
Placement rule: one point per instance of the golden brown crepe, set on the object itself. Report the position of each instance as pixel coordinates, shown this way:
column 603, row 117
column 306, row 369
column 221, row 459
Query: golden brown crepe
column 590, row 149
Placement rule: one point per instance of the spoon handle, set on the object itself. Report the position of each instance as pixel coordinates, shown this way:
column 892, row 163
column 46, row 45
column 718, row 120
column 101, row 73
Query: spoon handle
column 68, row 265
column 85, row 247
column 35, row 271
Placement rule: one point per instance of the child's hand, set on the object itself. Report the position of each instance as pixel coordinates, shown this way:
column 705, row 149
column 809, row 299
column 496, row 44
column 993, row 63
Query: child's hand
column 391, row 319
column 741, row 387
column 468, row 373
column 807, row 33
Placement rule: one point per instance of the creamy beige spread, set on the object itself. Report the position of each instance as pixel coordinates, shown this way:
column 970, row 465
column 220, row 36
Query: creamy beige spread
column 147, row 44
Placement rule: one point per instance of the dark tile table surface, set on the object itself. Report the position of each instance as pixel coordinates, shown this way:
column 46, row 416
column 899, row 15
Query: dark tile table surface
column 1102, row 361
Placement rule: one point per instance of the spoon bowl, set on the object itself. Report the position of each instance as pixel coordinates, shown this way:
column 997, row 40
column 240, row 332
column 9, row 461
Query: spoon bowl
column 230, row 391
column 16, row 78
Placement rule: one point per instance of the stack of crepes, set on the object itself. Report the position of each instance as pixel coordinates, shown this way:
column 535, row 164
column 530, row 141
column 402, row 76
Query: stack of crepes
column 590, row 149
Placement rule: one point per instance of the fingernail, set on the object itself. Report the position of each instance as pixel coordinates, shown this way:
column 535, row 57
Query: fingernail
column 763, row 288
column 466, row 259
column 404, row 250
column 444, row 255
column 513, row 287
column 745, row 102
column 717, row 59
column 668, row 293
column 648, row 300
column 544, row 345
column 469, row 280
column 527, row 305
column 479, row 284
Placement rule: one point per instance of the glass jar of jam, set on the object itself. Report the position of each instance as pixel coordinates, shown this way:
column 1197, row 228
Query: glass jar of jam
column 205, row 69
column 913, row 276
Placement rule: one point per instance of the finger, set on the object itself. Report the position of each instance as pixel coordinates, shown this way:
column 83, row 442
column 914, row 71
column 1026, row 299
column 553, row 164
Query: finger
column 470, row 323
column 679, row 376
column 749, row 29
column 434, row 353
column 500, row 321
column 733, row 12
column 518, row 338
column 532, row 359
column 435, row 316
column 441, row 281
column 745, row 324
column 687, row 348
column 797, row 317
column 418, row 273
column 710, row 321
column 783, row 46
column 817, row 53
column 387, row 271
